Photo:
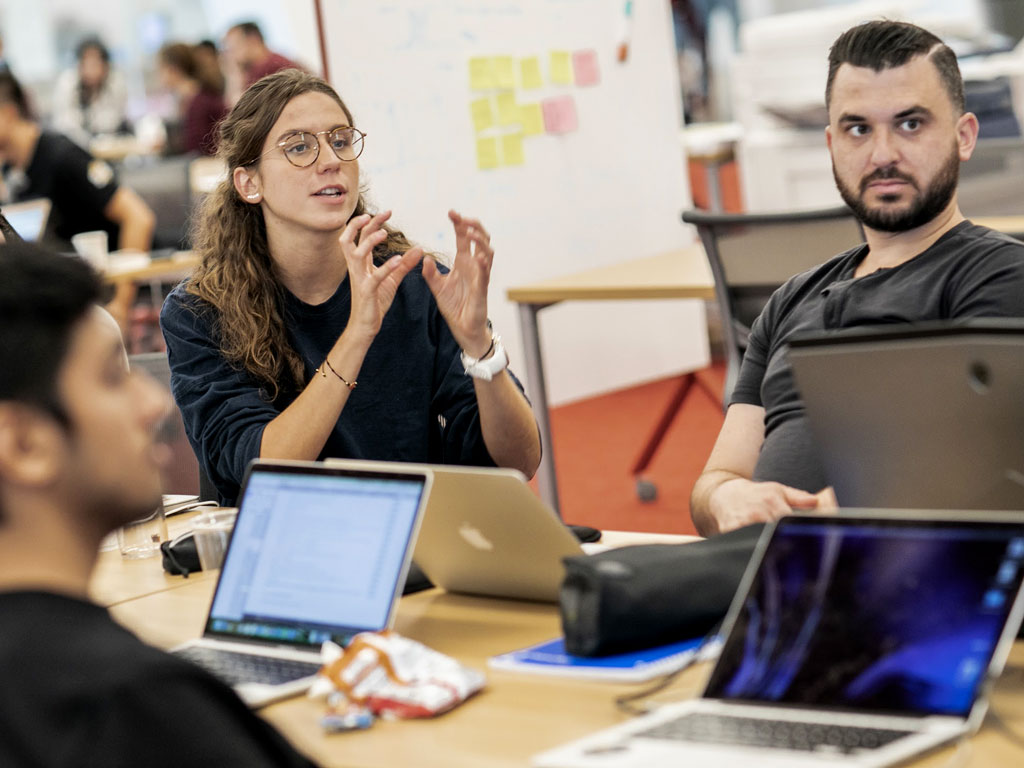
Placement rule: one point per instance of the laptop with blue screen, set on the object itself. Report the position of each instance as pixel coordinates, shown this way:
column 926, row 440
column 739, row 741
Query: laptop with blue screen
column 857, row 639
column 317, row 553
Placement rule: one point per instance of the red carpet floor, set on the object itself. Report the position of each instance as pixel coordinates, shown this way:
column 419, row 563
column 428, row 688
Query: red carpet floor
column 598, row 440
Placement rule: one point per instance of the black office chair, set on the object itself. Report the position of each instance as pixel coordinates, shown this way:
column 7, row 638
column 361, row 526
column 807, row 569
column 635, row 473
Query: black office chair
column 752, row 254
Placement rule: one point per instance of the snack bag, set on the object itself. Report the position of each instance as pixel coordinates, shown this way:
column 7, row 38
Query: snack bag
column 393, row 676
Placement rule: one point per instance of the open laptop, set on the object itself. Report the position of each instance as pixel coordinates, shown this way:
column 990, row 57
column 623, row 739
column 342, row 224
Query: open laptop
column 485, row 532
column 858, row 639
column 317, row 553
column 28, row 218
column 923, row 417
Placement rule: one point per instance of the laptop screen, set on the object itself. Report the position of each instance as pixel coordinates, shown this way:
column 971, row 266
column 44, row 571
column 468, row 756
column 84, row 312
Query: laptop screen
column 882, row 615
column 316, row 554
column 28, row 219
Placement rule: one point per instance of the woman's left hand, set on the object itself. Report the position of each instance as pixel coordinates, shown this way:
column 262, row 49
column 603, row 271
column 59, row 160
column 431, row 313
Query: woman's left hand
column 462, row 294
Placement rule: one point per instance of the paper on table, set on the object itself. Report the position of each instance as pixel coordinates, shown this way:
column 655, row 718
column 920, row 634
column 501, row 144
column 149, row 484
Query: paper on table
column 550, row 658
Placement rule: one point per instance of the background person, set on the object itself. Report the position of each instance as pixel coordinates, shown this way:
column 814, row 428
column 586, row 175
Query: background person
column 200, row 105
column 84, row 191
column 90, row 100
column 301, row 294
column 897, row 134
column 248, row 58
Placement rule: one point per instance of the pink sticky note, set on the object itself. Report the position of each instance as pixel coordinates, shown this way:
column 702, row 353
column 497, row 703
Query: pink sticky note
column 559, row 114
column 584, row 66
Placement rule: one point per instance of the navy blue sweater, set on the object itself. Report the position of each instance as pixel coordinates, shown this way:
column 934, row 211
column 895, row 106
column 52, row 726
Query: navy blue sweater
column 414, row 401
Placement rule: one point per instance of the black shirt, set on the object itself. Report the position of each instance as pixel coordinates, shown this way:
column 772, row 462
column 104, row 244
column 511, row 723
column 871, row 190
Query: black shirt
column 970, row 271
column 79, row 690
column 78, row 186
column 414, row 401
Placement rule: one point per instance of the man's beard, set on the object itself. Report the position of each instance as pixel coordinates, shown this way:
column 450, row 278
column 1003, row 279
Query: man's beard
column 923, row 208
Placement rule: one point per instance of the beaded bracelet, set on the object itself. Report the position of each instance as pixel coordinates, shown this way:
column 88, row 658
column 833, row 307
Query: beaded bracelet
column 346, row 382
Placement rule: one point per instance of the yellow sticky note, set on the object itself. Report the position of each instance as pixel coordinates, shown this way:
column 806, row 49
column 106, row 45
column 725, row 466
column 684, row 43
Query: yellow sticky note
column 483, row 115
column 532, row 118
column 486, row 153
column 561, row 68
column 508, row 110
column 529, row 71
column 481, row 73
column 504, row 72
column 512, row 149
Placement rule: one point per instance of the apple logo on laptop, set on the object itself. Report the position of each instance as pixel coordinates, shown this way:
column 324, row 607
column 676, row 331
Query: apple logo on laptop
column 475, row 538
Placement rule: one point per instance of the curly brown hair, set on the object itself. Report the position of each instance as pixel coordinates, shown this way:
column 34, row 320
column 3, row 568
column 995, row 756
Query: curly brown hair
column 235, row 274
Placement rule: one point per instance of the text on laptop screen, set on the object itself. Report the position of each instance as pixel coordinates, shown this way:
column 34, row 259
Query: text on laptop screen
column 314, row 557
column 873, row 617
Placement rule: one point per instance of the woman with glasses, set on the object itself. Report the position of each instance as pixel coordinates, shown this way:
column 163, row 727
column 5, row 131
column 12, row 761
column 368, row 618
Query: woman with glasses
column 313, row 328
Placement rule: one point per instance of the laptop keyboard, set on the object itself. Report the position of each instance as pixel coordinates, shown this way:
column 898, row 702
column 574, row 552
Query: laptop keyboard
column 776, row 734
column 233, row 668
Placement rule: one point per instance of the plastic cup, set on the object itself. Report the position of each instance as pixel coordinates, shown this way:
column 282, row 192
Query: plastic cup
column 212, row 529
column 92, row 246
column 141, row 538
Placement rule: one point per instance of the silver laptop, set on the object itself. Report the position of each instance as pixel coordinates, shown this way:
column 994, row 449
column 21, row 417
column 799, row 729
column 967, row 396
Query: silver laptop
column 918, row 417
column 859, row 639
column 317, row 553
column 28, row 218
column 485, row 532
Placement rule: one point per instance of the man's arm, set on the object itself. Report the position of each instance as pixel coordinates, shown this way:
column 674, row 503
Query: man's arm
column 136, row 219
column 724, row 496
column 137, row 222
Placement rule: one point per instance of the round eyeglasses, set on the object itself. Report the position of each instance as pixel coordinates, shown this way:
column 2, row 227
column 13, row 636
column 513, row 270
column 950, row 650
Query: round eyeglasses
column 303, row 148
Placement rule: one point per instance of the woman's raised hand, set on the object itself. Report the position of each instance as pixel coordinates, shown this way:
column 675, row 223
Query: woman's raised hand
column 461, row 295
column 373, row 288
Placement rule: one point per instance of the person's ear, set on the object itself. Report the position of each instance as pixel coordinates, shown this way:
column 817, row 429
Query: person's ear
column 31, row 446
column 966, row 135
column 247, row 185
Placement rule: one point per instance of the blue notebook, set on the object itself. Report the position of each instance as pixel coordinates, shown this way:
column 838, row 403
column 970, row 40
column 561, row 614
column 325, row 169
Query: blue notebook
column 550, row 658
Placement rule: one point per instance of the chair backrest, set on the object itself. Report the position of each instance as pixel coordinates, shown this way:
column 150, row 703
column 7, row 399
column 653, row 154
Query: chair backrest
column 751, row 255
column 181, row 475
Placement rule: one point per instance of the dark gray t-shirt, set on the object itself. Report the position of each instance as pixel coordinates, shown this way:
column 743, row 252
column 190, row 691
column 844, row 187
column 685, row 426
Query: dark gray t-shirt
column 971, row 271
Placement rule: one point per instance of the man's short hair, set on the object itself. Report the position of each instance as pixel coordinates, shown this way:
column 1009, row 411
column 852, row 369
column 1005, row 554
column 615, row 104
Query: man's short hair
column 42, row 297
column 249, row 29
column 11, row 92
column 888, row 44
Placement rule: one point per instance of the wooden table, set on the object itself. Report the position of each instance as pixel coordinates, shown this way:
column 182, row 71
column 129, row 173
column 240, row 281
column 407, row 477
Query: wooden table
column 141, row 269
column 1010, row 225
column 681, row 274
column 517, row 715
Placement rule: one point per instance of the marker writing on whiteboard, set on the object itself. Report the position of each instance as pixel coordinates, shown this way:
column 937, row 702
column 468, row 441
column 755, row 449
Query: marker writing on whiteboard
column 626, row 29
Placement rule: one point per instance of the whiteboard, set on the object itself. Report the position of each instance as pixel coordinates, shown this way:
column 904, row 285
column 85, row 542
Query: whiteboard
column 608, row 191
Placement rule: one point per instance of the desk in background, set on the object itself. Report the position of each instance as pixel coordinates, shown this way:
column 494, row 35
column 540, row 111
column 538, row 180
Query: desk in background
column 516, row 716
column 682, row 274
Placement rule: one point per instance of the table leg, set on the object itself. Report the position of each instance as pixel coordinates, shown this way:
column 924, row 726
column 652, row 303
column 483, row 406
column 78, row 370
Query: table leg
column 537, row 391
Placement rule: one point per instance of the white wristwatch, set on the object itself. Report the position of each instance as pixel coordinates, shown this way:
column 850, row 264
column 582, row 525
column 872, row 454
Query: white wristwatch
column 486, row 369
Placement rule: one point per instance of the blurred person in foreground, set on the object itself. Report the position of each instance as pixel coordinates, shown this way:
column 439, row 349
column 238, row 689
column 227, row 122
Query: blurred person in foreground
column 78, row 458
